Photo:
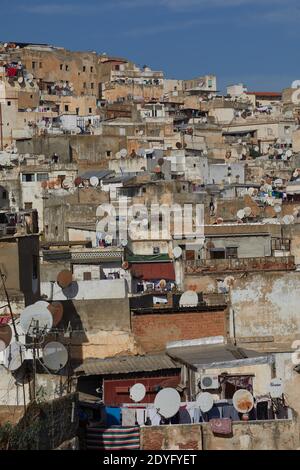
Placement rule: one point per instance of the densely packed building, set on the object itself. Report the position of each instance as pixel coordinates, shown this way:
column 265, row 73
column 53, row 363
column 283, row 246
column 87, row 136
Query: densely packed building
column 158, row 221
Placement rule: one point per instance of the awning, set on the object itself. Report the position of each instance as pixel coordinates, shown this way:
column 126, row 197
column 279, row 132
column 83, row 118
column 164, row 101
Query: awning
column 153, row 271
column 214, row 352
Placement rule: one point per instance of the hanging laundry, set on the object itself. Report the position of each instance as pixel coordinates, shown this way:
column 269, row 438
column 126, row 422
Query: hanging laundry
column 113, row 415
column 128, row 417
column 154, row 416
column 140, row 416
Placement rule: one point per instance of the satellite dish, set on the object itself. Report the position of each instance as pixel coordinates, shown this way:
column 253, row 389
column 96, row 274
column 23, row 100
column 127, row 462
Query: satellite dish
column 280, row 151
column 251, row 191
column 94, row 181
column 141, row 152
column 14, row 355
column 219, row 220
column 205, row 401
column 276, row 388
column 277, row 208
column 248, row 211
column 55, row 355
column 289, row 153
column 108, row 239
column 42, row 303
column 5, row 336
column 228, row 281
column 20, row 80
column 179, row 145
column 29, row 77
column 64, row 278
column 125, row 265
column 243, row 401
column 57, row 310
column 33, row 317
column 240, row 214
column 145, row 222
column 162, row 283
column 161, row 161
column 124, row 242
column 167, row 402
column 188, row 299
column 256, row 148
column 123, row 153
column 118, row 156
column 288, row 219
column 295, row 84
column 137, row 392
column 177, row 252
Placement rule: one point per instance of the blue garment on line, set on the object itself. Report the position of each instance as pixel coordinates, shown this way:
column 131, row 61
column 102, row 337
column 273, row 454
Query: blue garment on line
column 113, row 416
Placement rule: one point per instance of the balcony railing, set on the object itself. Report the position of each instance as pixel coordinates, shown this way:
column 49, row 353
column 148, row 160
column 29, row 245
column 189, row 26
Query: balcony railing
column 269, row 263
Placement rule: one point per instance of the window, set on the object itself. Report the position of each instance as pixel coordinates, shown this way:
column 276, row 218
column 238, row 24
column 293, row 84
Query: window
column 210, row 84
column 4, row 195
column 84, row 68
column 232, row 252
column 217, row 253
column 84, row 84
column 42, row 176
column 9, row 103
column 27, row 206
column 92, row 86
column 92, row 69
column 67, row 68
column 66, row 107
column 41, row 65
column 61, row 66
column 77, row 111
column 28, row 177
column 90, row 110
column 87, row 276
column 117, row 67
column 33, row 65
column 56, row 230
column 108, row 153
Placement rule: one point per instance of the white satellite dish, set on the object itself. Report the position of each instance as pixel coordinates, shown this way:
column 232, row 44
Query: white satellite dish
column 240, row 214
column 55, row 355
column 145, row 222
column 124, row 242
column 205, row 401
column 14, row 356
column 42, row 303
column 123, row 153
column 167, row 402
column 289, row 153
column 137, row 392
column 280, row 151
column 188, row 299
column 243, row 401
column 288, row 219
column 29, row 77
column 94, row 181
column 177, row 252
column 276, row 388
column 256, row 148
column 118, row 156
column 250, row 191
column 248, row 211
column 20, row 80
column 277, row 208
column 295, row 84
column 33, row 317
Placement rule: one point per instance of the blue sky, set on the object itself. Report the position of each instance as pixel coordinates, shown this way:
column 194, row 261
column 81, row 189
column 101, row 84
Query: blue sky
column 250, row 41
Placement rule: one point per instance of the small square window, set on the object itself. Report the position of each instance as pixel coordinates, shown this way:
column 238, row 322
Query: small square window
column 108, row 153
column 33, row 65
column 90, row 110
column 67, row 68
column 61, row 66
column 92, row 69
column 84, row 68
column 87, row 276
column 9, row 103
column 66, row 107
column 41, row 65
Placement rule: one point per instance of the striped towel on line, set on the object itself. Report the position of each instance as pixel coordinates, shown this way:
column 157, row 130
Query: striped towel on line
column 113, row 438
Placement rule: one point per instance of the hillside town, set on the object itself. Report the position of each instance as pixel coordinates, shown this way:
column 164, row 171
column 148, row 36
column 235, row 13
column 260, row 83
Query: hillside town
column 149, row 257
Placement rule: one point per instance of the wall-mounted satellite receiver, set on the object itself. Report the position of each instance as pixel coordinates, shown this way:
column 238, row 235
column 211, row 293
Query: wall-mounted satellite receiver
column 276, row 388
column 177, row 252
column 123, row 153
column 240, row 214
column 243, row 401
column 167, row 402
column 137, row 392
column 64, row 278
column 205, row 401
column 188, row 299
column 5, row 336
column 55, row 355
column 35, row 319
column 14, row 355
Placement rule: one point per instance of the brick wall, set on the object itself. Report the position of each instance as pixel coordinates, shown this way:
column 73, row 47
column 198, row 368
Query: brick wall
column 153, row 331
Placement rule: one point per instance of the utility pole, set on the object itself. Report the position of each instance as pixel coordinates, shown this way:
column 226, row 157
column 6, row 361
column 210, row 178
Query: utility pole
column 2, row 275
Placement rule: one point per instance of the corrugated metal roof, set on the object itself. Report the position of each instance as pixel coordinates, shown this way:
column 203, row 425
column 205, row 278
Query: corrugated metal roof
column 126, row 365
column 99, row 173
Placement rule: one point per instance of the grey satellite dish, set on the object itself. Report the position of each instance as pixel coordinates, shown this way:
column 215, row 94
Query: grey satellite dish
column 167, row 402
column 42, row 303
column 243, row 401
column 94, row 181
column 256, row 148
column 55, row 355
column 205, row 401
column 137, row 392
column 177, row 252
column 14, row 355
column 188, row 299
column 248, row 211
column 30, row 77
column 276, row 388
column 35, row 318
column 123, row 153
column 288, row 219
column 277, row 208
